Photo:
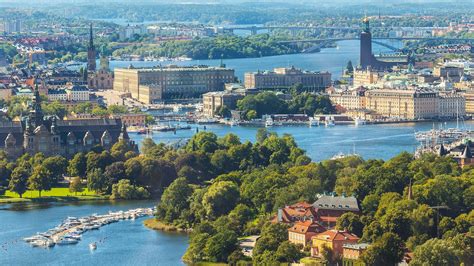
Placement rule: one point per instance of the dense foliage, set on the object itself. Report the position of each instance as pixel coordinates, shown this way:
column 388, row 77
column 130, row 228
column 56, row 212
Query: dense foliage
column 264, row 103
column 230, row 189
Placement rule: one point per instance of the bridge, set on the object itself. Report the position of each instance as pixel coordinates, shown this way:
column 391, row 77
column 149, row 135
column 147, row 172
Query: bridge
column 254, row 29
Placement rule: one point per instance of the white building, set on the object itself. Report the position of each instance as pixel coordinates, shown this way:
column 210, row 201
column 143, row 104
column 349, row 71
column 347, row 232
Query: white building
column 57, row 95
column 78, row 93
column 451, row 105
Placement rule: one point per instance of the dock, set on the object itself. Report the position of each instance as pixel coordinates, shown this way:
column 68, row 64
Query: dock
column 71, row 229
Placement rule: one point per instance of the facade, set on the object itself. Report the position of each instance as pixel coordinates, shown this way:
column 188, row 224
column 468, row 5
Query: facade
column 149, row 85
column 469, row 101
column 37, row 133
column 302, row 232
column 212, row 101
column 451, row 105
column 349, row 100
column 78, row 94
column 283, row 78
column 133, row 119
column 333, row 239
column 403, row 104
column 448, row 72
column 352, row 252
column 364, row 77
column 5, row 93
column 57, row 95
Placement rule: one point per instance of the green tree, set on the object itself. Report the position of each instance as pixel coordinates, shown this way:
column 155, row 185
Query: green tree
column 57, row 166
column 40, row 179
column 19, row 180
column 435, row 252
column 78, row 165
column 220, row 246
column 388, row 250
column 288, row 252
column 175, row 200
column 220, row 198
column 76, row 185
column 124, row 190
column 96, row 180
column 351, row 222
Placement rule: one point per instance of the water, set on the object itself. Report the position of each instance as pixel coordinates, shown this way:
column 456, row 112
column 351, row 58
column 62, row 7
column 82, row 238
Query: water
column 127, row 243
column 333, row 60
column 321, row 143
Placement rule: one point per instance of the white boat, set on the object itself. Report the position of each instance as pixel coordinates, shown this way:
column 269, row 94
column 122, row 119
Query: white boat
column 359, row 121
column 329, row 123
column 206, row 121
column 313, row 122
column 93, row 246
column 269, row 122
column 67, row 241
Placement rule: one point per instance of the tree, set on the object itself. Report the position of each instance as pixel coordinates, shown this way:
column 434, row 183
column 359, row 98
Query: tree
column 223, row 111
column 57, row 166
column 78, row 165
column 96, row 180
column 288, row 252
column 124, row 190
column 262, row 134
column 349, row 68
column 175, row 200
column 351, row 222
column 40, row 179
column 115, row 172
column 220, row 198
column 388, row 250
column 147, row 145
column 76, row 185
column 19, row 179
column 435, row 252
column 220, row 246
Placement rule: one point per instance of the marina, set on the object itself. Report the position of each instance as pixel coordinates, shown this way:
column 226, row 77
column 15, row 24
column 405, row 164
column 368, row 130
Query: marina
column 70, row 231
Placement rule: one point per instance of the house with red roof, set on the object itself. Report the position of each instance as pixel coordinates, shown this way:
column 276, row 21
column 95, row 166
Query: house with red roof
column 302, row 232
column 301, row 211
column 334, row 239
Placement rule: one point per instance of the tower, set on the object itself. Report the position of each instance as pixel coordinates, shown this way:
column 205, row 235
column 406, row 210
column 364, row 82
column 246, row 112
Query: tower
column 91, row 65
column 365, row 45
column 36, row 112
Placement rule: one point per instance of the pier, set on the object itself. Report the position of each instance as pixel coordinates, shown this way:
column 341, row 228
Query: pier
column 71, row 229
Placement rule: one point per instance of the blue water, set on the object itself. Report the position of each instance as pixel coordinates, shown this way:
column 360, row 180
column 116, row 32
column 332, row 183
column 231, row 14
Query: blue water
column 127, row 242
column 330, row 59
column 321, row 143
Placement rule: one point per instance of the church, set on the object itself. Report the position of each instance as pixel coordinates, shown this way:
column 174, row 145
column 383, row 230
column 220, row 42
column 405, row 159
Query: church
column 51, row 136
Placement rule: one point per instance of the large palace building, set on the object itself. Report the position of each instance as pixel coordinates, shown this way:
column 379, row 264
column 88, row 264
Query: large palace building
column 367, row 58
column 38, row 133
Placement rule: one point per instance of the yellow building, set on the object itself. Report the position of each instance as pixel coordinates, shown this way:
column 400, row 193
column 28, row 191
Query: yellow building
column 155, row 84
column 403, row 104
column 469, row 95
column 366, row 77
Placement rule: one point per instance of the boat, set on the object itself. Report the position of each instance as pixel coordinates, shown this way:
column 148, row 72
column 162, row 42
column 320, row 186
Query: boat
column 359, row 121
column 329, row 123
column 93, row 246
column 67, row 241
column 313, row 122
column 206, row 121
column 269, row 122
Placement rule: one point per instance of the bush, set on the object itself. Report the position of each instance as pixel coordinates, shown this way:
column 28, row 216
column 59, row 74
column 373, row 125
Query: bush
column 124, row 190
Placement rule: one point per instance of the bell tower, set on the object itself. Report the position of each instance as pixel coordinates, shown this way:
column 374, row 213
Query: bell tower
column 365, row 45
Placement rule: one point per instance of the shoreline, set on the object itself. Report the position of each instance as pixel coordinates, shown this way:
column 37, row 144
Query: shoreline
column 154, row 224
column 47, row 199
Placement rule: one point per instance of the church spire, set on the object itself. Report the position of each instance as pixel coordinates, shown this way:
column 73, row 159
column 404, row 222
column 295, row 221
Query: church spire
column 91, row 54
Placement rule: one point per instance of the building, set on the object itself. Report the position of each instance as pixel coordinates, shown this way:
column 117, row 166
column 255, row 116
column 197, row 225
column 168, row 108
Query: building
column 149, row 85
column 12, row 26
column 102, row 79
column 352, row 252
column 469, row 101
column 133, row 119
column 333, row 239
column 448, row 72
column 38, row 133
column 409, row 104
column 301, row 211
column 367, row 58
column 78, row 93
column 302, row 232
column 91, row 54
column 284, row 78
column 364, row 77
column 5, row 92
column 329, row 208
column 57, row 95
column 213, row 101
column 349, row 100
column 38, row 57
column 451, row 105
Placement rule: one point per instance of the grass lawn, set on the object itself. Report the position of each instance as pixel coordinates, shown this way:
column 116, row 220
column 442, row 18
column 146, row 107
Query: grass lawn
column 312, row 261
column 55, row 194
column 154, row 224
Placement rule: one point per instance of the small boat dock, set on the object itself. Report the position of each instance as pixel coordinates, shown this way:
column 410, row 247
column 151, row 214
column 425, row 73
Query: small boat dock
column 71, row 229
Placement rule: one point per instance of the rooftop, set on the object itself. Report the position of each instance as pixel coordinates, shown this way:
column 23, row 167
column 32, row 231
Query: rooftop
column 337, row 203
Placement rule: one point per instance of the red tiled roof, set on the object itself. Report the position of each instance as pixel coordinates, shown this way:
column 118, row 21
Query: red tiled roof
column 306, row 226
column 336, row 235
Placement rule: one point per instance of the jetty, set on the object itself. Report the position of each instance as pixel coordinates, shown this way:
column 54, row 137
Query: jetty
column 71, row 229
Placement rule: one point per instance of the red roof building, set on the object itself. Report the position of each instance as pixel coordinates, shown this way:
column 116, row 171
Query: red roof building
column 302, row 232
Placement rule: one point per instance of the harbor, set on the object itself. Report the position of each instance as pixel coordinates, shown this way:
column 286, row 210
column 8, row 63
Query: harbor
column 70, row 231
